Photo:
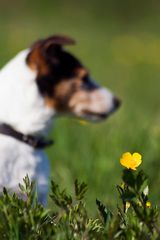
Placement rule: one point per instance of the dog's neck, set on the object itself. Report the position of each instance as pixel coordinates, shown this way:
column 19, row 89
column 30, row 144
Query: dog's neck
column 21, row 104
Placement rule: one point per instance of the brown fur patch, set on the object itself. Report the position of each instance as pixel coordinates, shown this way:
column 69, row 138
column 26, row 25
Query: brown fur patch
column 37, row 62
column 50, row 102
column 63, row 92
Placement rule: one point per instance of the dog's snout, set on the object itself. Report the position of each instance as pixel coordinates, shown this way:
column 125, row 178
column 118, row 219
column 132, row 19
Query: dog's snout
column 116, row 102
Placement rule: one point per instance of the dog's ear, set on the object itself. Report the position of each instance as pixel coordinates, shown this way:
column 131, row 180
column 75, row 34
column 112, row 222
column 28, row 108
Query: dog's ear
column 58, row 40
column 47, row 50
column 53, row 45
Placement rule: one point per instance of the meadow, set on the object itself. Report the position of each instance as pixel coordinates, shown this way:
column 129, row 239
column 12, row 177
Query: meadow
column 121, row 47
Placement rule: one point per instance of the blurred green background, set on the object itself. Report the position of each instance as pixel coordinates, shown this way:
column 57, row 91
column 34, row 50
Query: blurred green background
column 119, row 41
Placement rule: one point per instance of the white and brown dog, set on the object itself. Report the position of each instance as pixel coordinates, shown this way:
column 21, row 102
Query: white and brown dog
column 37, row 85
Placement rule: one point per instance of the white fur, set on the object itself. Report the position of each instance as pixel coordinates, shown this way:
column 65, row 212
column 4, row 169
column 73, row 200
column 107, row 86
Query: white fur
column 24, row 108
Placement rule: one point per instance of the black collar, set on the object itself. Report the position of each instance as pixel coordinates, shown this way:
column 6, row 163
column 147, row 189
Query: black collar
column 34, row 141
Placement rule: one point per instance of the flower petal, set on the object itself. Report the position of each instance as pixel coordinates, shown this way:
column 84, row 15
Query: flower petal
column 126, row 160
column 137, row 158
column 137, row 155
column 127, row 155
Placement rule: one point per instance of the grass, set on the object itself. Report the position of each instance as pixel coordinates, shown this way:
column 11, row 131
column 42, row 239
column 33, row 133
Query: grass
column 122, row 53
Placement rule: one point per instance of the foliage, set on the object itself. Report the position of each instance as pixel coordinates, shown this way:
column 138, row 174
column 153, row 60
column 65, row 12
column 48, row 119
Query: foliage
column 22, row 217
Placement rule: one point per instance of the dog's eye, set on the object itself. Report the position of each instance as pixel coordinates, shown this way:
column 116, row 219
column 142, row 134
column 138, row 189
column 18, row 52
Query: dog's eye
column 85, row 78
column 88, row 84
column 85, row 82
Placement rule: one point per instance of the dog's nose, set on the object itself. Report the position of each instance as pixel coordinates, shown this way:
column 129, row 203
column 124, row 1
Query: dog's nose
column 116, row 102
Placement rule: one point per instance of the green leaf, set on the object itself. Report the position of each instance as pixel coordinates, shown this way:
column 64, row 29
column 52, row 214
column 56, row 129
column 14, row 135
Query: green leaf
column 105, row 213
column 129, row 177
column 60, row 198
column 80, row 189
column 141, row 181
column 128, row 196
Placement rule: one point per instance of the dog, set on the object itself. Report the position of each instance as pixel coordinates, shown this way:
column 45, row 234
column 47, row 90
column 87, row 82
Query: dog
column 37, row 85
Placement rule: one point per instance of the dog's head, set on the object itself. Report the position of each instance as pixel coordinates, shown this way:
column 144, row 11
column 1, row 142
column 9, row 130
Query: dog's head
column 66, row 84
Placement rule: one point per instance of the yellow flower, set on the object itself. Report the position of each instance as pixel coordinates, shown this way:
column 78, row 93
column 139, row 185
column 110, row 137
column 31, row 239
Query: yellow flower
column 131, row 161
column 148, row 204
